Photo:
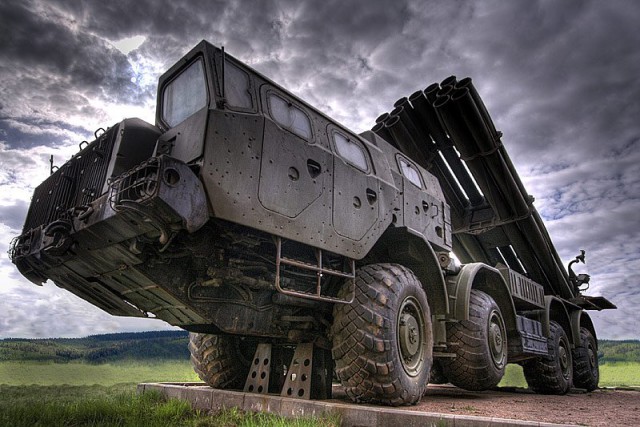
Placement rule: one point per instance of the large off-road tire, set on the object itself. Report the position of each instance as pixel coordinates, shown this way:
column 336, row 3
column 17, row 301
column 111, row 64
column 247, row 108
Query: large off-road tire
column 586, row 372
column 551, row 374
column 480, row 345
column 382, row 341
column 221, row 361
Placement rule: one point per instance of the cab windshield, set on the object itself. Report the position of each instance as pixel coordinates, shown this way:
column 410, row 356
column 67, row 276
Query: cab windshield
column 184, row 95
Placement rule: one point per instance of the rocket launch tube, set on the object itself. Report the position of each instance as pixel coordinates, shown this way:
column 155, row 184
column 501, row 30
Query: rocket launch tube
column 382, row 117
column 468, row 129
column 449, row 81
column 431, row 91
column 419, row 128
column 402, row 139
column 463, row 140
column 459, row 118
column 467, row 83
column 381, row 130
column 488, row 148
column 427, row 115
column 486, row 137
column 468, row 132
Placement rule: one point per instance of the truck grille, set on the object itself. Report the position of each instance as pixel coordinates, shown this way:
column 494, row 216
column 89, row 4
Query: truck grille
column 76, row 183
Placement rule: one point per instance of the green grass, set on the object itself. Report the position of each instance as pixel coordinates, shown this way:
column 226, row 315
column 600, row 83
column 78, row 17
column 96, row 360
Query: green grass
column 622, row 374
column 75, row 394
column 85, row 405
column 78, row 373
column 70, row 394
column 121, row 406
column 513, row 377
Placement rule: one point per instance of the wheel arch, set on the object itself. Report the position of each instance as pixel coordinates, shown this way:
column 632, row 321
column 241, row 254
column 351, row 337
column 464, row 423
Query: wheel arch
column 399, row 245
column 488, row 280
column 581, row 319
column 556, row 310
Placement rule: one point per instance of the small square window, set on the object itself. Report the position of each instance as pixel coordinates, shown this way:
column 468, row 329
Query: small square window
column 352, row 152
column 289, row 116
column 410, row 172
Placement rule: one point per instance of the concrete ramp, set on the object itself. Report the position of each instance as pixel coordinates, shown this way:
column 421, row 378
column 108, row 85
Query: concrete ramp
column 206, row 398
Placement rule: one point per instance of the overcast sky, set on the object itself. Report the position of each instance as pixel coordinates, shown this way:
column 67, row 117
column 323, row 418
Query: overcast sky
column 561, row 80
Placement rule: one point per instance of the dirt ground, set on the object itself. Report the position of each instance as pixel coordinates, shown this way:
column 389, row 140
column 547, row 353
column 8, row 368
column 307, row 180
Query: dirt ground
column 599, row 408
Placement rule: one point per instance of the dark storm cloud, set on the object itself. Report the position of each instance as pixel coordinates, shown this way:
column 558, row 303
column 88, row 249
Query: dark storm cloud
column 51, row 71
column 47, row 42
column 578, row 58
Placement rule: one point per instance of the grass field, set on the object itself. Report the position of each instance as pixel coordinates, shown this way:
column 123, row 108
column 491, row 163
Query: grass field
column 620, row 374
column 78, row 393
column 78, row 373
column 121, row 406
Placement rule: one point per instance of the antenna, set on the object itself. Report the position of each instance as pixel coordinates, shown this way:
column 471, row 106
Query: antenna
column 222, row 85
column 51, row 167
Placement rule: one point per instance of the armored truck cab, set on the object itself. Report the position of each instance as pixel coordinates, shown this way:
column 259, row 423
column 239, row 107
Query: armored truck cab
column 292, row 247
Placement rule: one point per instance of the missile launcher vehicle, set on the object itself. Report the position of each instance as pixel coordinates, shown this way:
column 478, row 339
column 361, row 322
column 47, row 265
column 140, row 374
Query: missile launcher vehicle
column 298, row 252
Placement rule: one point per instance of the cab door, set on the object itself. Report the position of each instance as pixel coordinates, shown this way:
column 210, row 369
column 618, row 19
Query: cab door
column 294, row 171
column 355, row 189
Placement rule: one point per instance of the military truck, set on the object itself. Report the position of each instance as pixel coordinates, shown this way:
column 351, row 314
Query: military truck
column 296, row 251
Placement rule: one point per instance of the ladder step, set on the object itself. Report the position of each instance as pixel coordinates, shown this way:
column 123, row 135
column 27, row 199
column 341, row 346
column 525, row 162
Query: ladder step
column 313, row 267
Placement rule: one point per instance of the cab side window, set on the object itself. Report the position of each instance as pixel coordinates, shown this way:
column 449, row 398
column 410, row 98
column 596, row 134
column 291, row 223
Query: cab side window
column 351, row 151
column 289, row 116
column 410, row 172
column 237, row 90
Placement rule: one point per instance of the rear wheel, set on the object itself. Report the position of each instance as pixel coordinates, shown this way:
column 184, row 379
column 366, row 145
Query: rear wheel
column 480, row 344
column 221, row 361
column 551, row 374
column 382, row 341
column 586, row 372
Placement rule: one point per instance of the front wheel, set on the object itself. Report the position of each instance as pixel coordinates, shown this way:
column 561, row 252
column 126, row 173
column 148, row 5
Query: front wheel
column 382, row 341
column 551, row 374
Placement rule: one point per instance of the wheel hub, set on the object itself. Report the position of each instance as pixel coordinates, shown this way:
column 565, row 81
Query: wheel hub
column 592, row 357
column 409, row 335
column 496, row 340
column 564, row 360
column 411, row 339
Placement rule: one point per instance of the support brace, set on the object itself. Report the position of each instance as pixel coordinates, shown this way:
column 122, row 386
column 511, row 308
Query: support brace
column 303, row 380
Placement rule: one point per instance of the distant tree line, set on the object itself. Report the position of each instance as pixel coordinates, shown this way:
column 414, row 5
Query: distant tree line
column 618, row 351
column 138, row 346
column 172, row 345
